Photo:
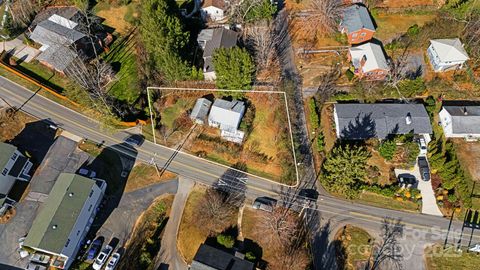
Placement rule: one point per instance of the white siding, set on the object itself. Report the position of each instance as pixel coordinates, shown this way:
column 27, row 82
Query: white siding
column 213, row 13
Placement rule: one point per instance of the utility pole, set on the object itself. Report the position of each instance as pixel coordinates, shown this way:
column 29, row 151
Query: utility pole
column 151, row 115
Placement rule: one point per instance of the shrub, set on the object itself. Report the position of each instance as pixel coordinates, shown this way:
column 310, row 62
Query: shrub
column 387, row 149
column 387, row 191
column 320, row 142
column 413, row 30
column 349, row 74
column 250, row 256
column 411, row 88
column 145, row 259
column 452, row 198
column 314, row 119
column 225, row 240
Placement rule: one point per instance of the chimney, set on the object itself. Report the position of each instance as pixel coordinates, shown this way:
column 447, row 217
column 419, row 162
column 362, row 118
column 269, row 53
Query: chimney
column 465, row 111
column 408, row 119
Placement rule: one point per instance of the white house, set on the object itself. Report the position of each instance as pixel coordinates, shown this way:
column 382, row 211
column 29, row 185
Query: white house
column 369, row 61
column 65, row 218
column 213, row 10
column 200, row 111
column 13, row 166
column 460, row 121
column 446, row 54
column 211, row 39
column 227, row 115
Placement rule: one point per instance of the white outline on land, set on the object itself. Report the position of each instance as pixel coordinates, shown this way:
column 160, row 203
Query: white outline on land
column 243, row 91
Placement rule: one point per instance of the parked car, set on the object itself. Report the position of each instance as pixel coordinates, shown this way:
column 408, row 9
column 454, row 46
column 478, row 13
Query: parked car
column 113, row 261
column 34, row 266
column 102, row 257
column 264, row 203
column 407, row 179
column 40, row 258
column 94, row 248
column 424, row 169
column 423, row 146
column 134, row 140
column 87, row 173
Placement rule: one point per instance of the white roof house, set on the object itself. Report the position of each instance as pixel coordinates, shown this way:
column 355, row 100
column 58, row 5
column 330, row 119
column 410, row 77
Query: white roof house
column 227, row 115
column 372, row 54
column 446, row 54
column 200, row 110
column 460, row 121
column 213, row 10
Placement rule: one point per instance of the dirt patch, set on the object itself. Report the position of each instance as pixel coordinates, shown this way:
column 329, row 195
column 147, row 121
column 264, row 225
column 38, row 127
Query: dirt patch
column 391, row 26
column 328, row 127
column 114, row 17
column 469, row 155
column 143, row 175
column 384, row 168
column 407, row 3
column 12, row 124
column 8, row 215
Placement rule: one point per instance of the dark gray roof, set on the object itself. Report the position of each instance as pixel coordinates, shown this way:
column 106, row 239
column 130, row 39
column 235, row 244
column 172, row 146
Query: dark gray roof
column 356, row 17
column 59, row 57
column 214, row 38
column 363, row 121
column 234, row 105
column 468, row 123
column 210, row 258
column 68, row 12
column 50, row 33
column 201, row 108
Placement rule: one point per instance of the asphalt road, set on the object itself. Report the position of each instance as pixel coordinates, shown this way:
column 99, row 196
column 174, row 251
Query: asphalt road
column 418, row 227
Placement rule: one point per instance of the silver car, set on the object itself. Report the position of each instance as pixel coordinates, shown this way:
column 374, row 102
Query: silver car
column 113, row 261
column 102, row 257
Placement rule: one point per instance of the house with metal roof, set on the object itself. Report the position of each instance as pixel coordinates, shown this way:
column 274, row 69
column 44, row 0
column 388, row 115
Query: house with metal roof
column 210, row 258
column 357, row 24
column 446, row 54
column 14, row 166
column 460, row 121
column 227, row 116
column 65, row 218
column 368, row 61
column 200, row 111
column 357, row 121
column 213, row 10
column 211, row 39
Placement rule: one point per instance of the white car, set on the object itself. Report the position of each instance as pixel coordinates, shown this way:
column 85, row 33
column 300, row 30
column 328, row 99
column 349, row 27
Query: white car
column 423, row 146
column 87, row 173
column 102, row 257
column 113, row 261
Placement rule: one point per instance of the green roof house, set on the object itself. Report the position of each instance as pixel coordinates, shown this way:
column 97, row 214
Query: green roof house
column 13, row 166
column 65, row 218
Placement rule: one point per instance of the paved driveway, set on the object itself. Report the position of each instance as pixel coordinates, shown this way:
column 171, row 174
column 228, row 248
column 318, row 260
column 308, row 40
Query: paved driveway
column 21, row 51
column 429, row 202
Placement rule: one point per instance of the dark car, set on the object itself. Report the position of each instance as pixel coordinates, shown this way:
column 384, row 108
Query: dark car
column 134, row 140
column 407, row 179
column 94, row 248
column 424, row 169
column 264, row 203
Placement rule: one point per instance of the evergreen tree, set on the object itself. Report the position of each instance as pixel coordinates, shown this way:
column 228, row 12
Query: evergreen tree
column 234, row 69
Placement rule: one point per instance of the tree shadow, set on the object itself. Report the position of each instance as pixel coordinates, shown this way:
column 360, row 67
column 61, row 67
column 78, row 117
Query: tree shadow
column 233, row 184
column 113, row 165
column 360, row 128
column 325, row 251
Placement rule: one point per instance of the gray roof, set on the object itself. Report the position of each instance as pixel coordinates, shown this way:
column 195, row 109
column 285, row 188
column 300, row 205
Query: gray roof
column 68, row 12
column 464, row 123
column 210, row 258
column 50, row 33
column 6, row 152
column 52, row 226
column 57, row 56
column 201, row 108
column 363, row 121
column 234, row 105
column 214, row 38
column 356, row 17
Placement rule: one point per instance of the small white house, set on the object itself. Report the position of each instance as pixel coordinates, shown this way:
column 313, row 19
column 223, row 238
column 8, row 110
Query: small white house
column 65, row 218
column 460, row 121
column 200, row 111
column 227, row 115
column 446, row 54
column 213, row 10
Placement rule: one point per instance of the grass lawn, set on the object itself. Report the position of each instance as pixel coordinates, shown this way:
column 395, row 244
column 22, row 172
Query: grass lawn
column 386, row 202
column 327, row 126
column 251, row 230
column 438, row 259
column 143, row 175
column 123, row 59
column 11, row 127
column 191, row 234
column 171, row 113
column 90, row 147
column 353, row 247
column 114, row 16
column 392, row 25
column 43, row 75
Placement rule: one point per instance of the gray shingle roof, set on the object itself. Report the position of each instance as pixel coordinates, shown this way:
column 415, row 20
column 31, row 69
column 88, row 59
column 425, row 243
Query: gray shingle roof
column 464, row 124
column 6, row 152
column 362, row 121
column 210, row 258
column 201, row 108
column 235, row 105
column 57, row 56
column 214, row 38
column 50, row 33
column 356, row 17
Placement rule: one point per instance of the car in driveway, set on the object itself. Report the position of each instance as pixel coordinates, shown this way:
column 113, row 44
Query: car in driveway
column 423, row 146
column 424, row 168
column 34, row 266
column 87, row 173
column 113, row 261
column 40, row 258
column 406, row 180
column 102, row 258
column 264, row 203
column 94, row 248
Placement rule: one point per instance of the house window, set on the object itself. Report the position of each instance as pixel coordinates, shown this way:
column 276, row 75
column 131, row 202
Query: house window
column 15, row 155
column 68, row 242
column 90, row 208
column 362, row 34
column 5, row 171
column 91, row 193
column 78, row 232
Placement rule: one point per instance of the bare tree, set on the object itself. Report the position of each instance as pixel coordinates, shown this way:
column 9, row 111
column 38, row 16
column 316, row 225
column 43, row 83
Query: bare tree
column 23, row 11
column 327, row 85
column 261, row 40
column 214, row 211
column 239, row 9
column 472, row 36
column 324, row 16
column 387, row 253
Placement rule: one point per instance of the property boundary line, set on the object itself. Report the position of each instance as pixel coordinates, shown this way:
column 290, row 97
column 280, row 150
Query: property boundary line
column 242, row 91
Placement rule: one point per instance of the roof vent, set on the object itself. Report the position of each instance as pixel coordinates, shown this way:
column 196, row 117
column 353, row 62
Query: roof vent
column 465, row 111
column 408, row 119
column 70, row 194
column 54, row 226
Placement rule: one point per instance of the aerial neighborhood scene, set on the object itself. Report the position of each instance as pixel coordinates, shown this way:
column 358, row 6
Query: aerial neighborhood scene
column 240, row 134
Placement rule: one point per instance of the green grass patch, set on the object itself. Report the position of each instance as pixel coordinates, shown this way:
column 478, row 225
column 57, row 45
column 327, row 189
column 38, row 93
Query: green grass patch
column 438, row 259
column 90, row 148
column 171, row 113
column 44, row 75
column 386, row 202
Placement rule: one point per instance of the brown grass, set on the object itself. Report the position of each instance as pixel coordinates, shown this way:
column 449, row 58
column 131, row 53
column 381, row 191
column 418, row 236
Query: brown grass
column 383, row 166
column 11, row 127
column 387, row 202
column 328, row 127
column 251, row 230
column 469, row 155
column 355, row 245
column 143, row 175
column 114, row 17
column 393, row 25
column 406, row 3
